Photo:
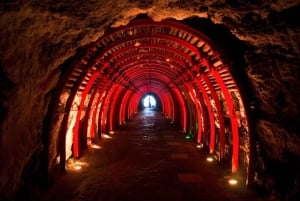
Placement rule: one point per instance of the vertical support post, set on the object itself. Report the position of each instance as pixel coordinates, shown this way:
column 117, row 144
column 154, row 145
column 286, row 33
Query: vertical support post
column 80, row 108
column 233, row 119
column 220, row 116
column 211, row 117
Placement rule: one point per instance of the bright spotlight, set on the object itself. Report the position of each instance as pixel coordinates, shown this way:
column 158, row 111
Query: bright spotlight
column 210, row 159
column 77, row 167
column 95, row 146
column 232, row 181
column 106, row 136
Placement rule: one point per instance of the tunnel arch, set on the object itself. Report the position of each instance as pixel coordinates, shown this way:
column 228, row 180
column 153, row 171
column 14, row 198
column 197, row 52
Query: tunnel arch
column 188, row 72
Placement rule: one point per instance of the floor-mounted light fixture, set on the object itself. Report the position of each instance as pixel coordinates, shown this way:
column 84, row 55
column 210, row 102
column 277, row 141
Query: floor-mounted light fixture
column 210, row 159
column 232, row 181
column 106, row 136
column 95, row 146
column 77, row 167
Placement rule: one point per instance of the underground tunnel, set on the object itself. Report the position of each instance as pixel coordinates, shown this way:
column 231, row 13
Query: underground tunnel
column 223, row 74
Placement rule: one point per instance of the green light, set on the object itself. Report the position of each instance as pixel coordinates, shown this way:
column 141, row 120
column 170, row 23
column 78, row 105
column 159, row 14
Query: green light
column 187, row 137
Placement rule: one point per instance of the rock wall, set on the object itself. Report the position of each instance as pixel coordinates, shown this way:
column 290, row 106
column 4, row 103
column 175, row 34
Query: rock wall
column 38, row 36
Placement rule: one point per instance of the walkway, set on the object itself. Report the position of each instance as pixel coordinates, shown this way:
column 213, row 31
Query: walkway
column 148, row 160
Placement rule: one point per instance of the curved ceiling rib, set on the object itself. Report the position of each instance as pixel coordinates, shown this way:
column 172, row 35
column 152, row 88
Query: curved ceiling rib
column 177, row 63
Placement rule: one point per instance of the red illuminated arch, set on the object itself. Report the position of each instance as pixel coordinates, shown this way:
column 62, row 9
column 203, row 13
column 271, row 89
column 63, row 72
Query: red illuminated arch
column 182, row 66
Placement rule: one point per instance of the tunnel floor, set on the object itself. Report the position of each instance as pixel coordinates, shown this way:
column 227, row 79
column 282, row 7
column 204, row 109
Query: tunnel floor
column 147, row 160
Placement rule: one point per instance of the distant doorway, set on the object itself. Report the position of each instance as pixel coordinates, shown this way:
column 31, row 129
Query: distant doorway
column 149, row 102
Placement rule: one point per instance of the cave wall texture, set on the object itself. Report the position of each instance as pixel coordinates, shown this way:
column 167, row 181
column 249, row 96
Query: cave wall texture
column 37, row 36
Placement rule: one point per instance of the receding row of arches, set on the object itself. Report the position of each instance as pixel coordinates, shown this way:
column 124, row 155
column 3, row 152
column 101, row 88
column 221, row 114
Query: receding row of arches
column 185, row 72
